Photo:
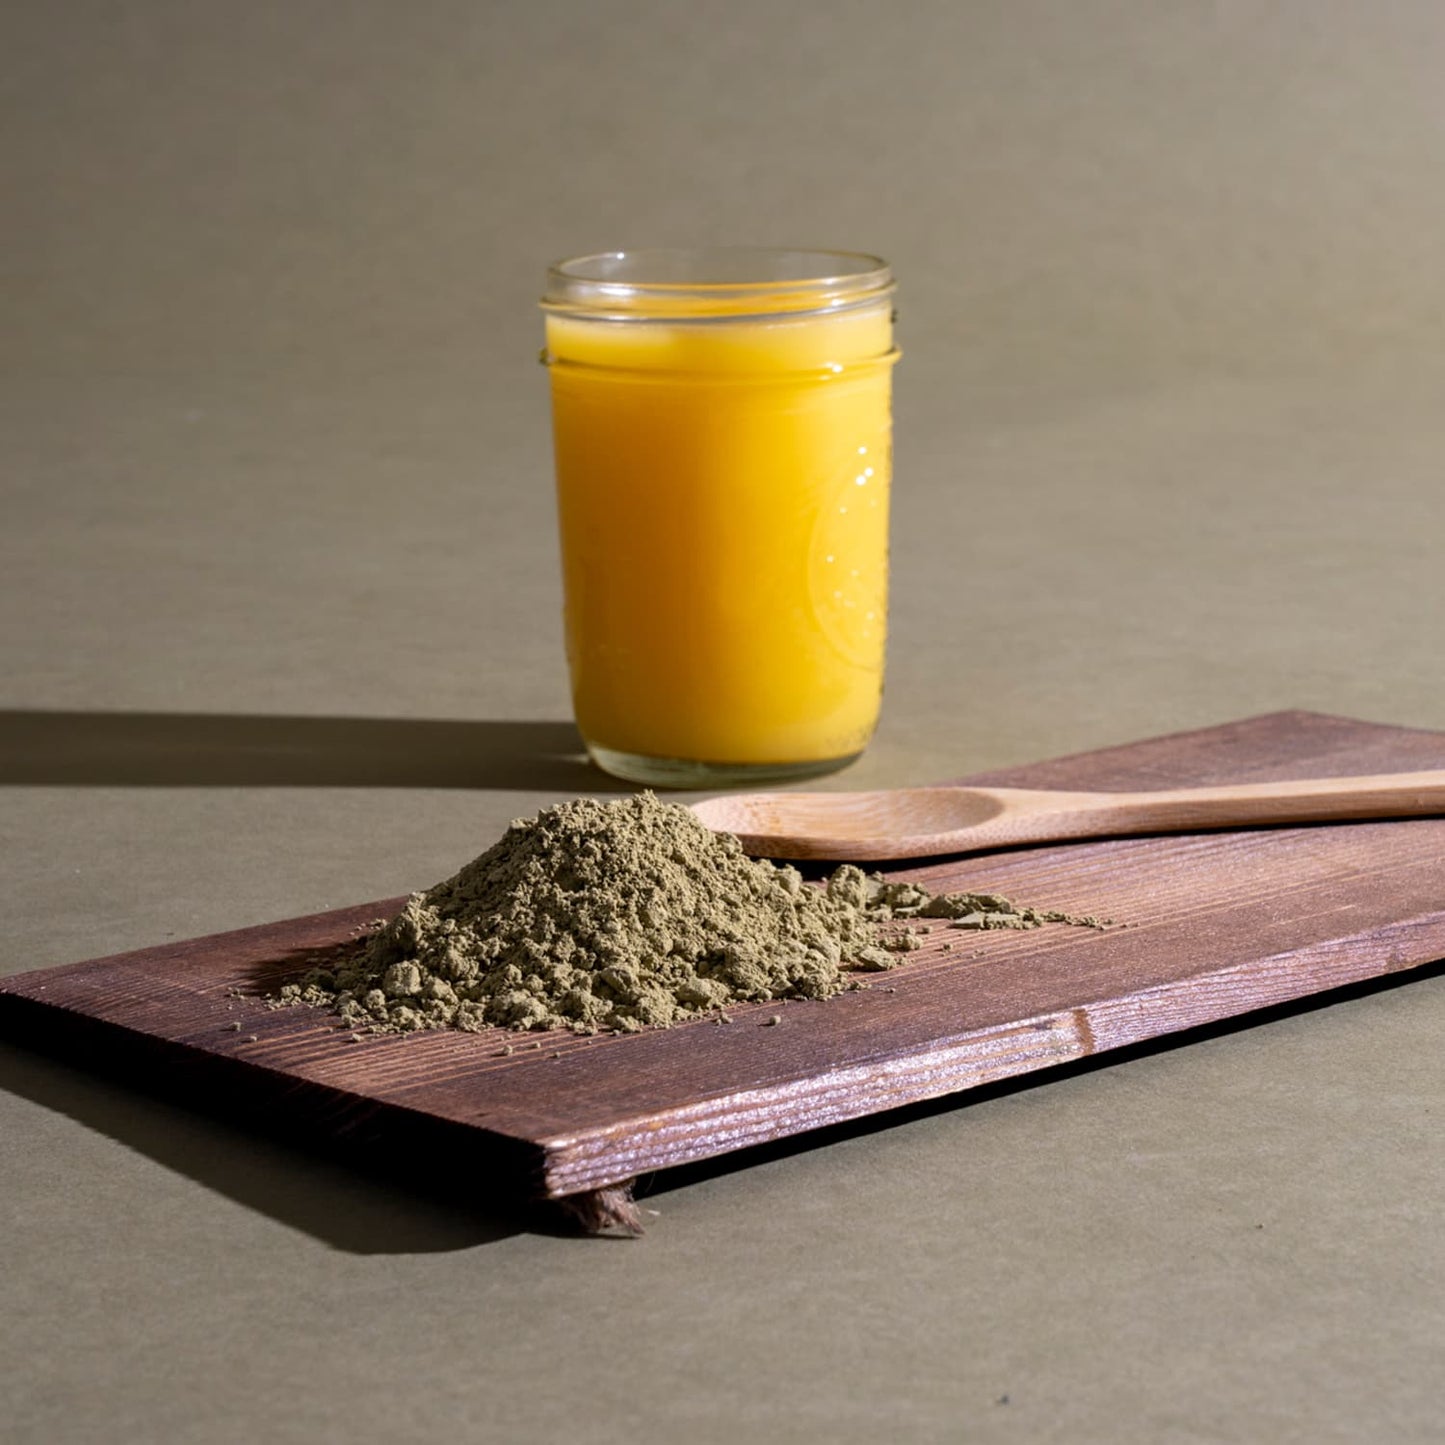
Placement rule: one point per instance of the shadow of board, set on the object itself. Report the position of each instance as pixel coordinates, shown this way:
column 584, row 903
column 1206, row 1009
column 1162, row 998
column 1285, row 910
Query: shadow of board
column 355, row 1200
column 160, row 749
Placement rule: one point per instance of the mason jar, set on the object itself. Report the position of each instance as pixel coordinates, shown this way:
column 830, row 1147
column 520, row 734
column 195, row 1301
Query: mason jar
column 722, row 426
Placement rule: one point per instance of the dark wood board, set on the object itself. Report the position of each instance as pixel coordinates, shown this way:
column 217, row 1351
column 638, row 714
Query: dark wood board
column 1208, row 926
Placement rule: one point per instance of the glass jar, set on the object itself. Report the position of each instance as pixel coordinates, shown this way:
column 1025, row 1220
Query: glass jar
column 722, row 429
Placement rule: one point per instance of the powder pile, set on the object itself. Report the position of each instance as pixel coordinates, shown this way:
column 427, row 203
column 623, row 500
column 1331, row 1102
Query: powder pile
column 624, row 916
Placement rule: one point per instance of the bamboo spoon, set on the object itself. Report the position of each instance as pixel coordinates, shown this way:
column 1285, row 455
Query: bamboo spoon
column 914, row 822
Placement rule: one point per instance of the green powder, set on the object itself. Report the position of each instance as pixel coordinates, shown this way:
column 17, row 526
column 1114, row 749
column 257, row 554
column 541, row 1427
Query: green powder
column 624, row 916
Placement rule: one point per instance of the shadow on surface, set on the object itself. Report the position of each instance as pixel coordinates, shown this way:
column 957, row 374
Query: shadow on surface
column 156, row 749
column 384, row 1201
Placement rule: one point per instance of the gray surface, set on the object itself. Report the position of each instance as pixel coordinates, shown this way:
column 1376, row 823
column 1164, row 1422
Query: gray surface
column 1168, row 453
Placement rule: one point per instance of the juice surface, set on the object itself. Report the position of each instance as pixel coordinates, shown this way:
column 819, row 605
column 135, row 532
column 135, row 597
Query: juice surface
column 723, row 498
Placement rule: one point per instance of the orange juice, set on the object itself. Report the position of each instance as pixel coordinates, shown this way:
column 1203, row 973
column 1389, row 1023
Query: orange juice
column 723, row 465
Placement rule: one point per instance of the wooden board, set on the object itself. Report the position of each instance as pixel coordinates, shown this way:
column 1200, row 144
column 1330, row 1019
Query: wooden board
column 1213, row 925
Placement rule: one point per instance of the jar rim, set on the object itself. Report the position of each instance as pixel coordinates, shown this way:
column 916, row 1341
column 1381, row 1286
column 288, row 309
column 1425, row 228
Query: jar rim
column 715, row 281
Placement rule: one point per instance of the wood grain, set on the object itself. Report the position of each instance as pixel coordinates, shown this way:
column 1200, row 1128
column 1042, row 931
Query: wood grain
column 1207, row 926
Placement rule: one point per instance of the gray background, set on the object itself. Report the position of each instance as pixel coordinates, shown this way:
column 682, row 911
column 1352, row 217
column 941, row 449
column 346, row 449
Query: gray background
column 276, row 464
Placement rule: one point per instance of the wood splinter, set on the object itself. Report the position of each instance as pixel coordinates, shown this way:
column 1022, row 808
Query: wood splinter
column 609, row 1210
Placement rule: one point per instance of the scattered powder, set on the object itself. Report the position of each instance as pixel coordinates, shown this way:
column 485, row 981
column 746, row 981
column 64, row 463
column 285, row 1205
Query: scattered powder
column 624, row 916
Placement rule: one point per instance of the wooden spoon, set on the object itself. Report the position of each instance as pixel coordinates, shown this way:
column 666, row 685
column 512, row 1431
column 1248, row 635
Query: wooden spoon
column 913, row 822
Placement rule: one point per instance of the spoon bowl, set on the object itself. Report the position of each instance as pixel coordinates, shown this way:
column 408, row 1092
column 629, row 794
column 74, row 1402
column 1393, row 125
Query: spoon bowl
column 902, row 822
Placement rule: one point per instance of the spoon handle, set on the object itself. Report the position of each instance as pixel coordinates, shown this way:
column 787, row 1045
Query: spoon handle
column 1310, row 800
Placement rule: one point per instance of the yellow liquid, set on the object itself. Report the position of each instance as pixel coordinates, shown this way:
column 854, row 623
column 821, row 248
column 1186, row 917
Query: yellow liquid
column 723, row 496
